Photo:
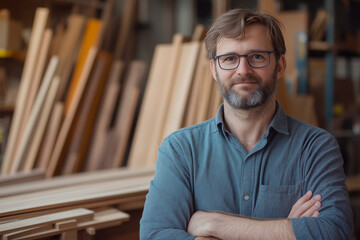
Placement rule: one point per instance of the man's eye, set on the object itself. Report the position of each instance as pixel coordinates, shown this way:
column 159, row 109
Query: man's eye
column 229, row 59
column 257, row 57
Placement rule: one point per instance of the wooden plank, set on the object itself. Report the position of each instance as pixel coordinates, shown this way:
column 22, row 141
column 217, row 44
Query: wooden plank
column 38, row 74
column 80, row 213
column 74, row 180
column 69, row 235
column 57, row 39
column 215, row 101
column 267, row 6
column 199, row 33
column 21, row 177
column 195, row 95
column 127, row 24
column 203, row 104
column 65, row 128
column 65, row 225
column 50, row 136
column 124, row 129
column 99, row 193
column 87, row 113
column 107, row 20
column 40, row 128
column 90, row 40
column 68, row 50
column 353, row 183
column 35, row 114
column 181, row 88
column 25, row 83
column 104, row 117
column 29, row 231
column 120, row 201
column 151, row 120
column 114, row 157
column 219, row 7
column 102, row 219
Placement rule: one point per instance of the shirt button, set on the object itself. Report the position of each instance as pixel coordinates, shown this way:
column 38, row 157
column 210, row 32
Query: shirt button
column 246, row 197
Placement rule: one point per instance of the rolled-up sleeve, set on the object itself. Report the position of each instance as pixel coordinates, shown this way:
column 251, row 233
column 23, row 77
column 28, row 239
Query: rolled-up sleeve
column 324, row 175
column 169, row 203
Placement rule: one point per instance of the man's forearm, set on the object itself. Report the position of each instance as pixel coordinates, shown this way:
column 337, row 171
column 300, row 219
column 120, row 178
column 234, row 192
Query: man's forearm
column 227, row 227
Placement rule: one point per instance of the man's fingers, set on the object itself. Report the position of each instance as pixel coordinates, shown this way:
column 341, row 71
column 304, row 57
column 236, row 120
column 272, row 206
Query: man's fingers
column 306, row 206
column 313, row 210
column 299, row 203
column 316, row 214
column 309, row 207
column 302, row 200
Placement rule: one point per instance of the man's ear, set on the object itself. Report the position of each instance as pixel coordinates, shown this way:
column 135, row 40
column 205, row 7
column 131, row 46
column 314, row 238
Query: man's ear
column 281, row 66
column 213, row 68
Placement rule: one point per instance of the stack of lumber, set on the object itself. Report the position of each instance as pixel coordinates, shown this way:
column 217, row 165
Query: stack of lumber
column 64, row 205
column 180, row 92
column 76, row 102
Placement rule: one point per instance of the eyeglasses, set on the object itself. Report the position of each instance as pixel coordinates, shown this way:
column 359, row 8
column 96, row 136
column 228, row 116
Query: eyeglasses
column 256, row 59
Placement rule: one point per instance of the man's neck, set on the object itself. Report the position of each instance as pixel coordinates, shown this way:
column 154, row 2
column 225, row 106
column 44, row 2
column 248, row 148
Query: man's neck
column 249, row 125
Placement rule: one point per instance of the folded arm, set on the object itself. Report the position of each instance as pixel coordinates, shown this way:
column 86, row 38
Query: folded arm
column 216, row 225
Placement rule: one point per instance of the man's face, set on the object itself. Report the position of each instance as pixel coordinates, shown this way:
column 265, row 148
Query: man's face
column 246, row 87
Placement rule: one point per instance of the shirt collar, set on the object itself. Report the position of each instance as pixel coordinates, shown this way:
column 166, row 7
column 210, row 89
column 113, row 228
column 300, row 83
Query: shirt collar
column 279, row 122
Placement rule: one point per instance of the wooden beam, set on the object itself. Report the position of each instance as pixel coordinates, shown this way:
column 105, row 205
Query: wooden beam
column 35, row 114
column 151, row 120
column 87, row 113
column 90, row 40
column 51, row 134
column 81, row 213
column 181, row 88
column 127, row 24
column 104, row 117
column 65, row 128
column 102, row 219
column 74, row 180
column 126, row 114
column 68, row 51
column 38, row 74
column 40, row 20
column 99, row 193
column 30, row 159
column 21, row 177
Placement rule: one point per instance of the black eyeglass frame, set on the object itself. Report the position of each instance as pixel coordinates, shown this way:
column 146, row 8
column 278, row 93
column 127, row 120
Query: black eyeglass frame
column 243, row 55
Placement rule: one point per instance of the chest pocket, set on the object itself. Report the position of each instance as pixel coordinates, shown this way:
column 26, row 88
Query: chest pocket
column 275, row 201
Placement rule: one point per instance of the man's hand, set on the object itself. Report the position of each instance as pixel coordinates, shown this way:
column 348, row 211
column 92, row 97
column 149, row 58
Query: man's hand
column 199, row 224
column 306, row 206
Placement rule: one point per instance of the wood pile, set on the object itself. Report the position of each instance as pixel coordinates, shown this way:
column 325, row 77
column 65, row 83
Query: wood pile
column 76, row 102
column 69, row 206
column 180, row 92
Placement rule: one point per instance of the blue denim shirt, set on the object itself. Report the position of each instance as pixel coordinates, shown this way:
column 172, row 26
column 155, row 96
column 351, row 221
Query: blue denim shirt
column 204, row 167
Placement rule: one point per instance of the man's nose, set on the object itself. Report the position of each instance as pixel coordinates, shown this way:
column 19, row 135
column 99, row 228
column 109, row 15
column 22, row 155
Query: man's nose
column 244, row 67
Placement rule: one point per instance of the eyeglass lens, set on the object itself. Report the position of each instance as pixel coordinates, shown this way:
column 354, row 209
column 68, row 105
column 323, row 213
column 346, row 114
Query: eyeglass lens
column 255, row 59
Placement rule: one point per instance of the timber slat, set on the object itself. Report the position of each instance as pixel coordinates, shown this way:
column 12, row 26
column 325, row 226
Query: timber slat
column 101, row 219
column 74, row 180
column 84, row 214
column 40, row 20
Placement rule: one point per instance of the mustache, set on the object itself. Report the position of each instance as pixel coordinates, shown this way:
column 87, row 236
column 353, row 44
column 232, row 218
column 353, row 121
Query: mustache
column 249, row 78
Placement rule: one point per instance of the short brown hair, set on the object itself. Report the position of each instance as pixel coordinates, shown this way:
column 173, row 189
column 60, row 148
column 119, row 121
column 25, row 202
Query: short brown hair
column 232, row 24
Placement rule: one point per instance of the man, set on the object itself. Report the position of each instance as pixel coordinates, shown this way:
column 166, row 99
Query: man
column 252, row 172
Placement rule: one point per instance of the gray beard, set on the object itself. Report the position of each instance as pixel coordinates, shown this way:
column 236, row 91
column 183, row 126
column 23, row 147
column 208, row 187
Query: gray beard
column 258, row 97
